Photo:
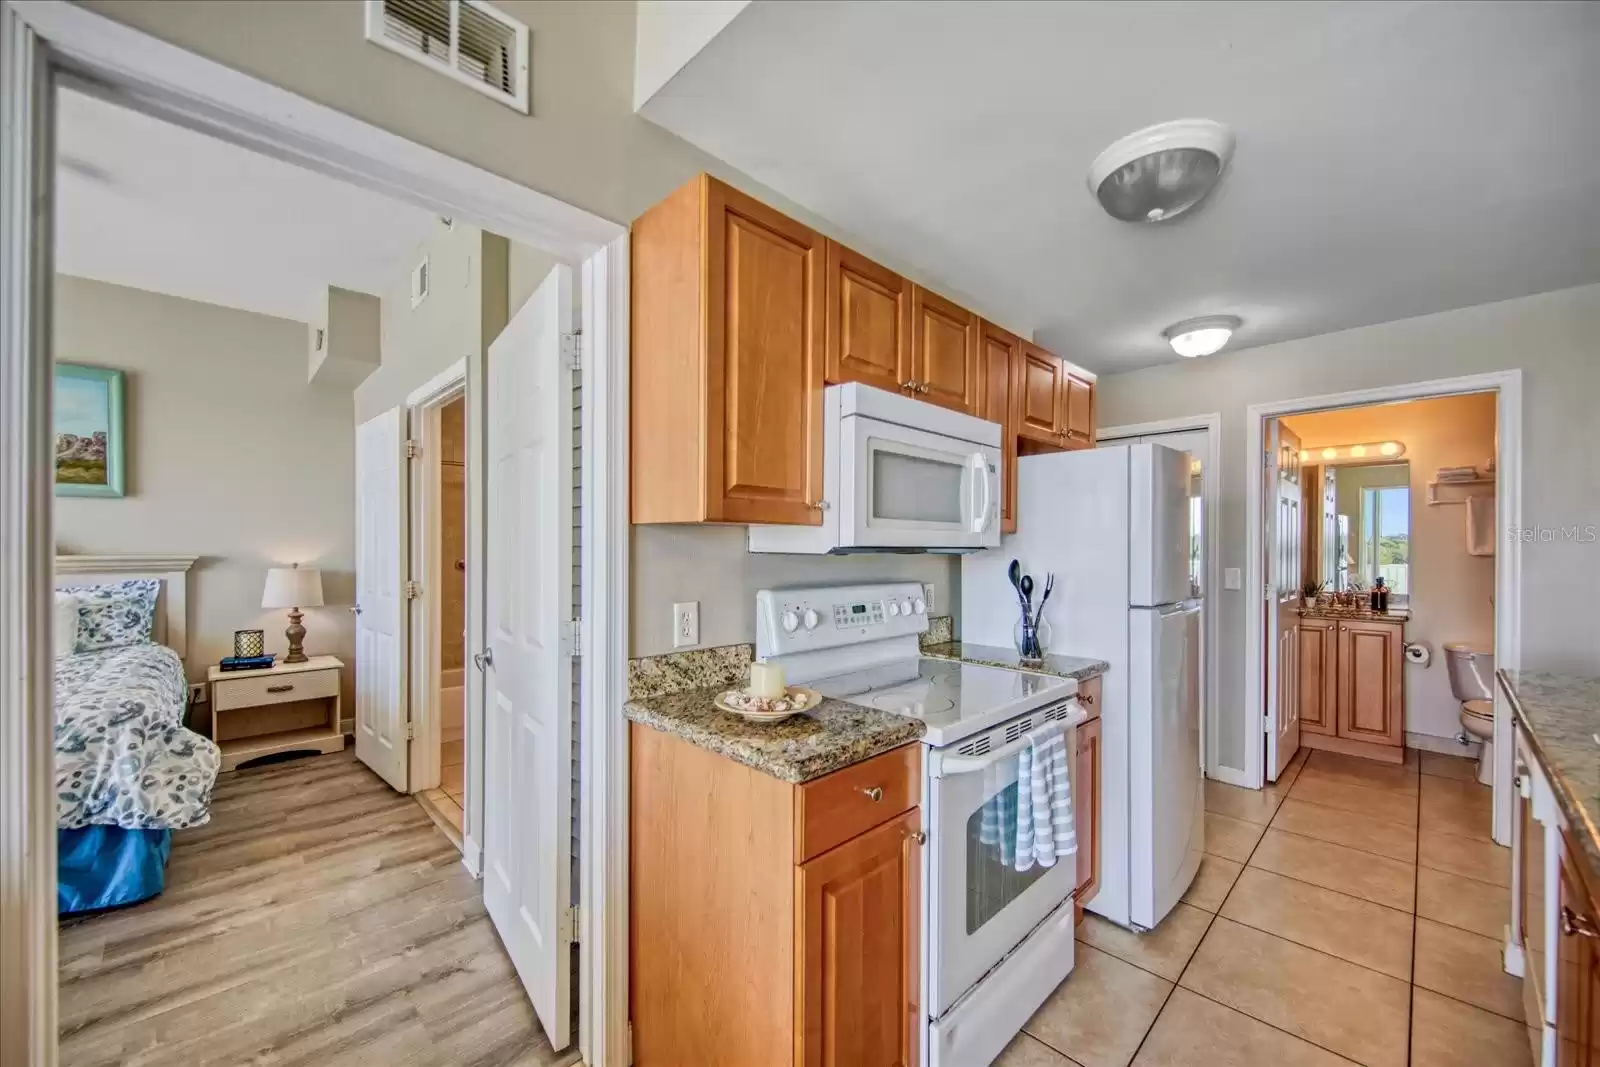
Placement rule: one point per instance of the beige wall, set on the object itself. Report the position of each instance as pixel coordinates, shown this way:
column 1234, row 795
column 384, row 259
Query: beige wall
column 231, row 457
column 1452, row 593
column 1554, row 338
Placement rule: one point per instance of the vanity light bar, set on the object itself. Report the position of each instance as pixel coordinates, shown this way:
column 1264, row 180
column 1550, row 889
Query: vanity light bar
column 1371, row 452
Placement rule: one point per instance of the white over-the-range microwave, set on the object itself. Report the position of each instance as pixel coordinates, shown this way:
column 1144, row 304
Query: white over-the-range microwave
column 898, row 475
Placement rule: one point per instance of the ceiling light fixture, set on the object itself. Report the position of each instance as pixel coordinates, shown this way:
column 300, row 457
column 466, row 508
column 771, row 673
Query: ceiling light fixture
column 1343, row 454
column 1201, row 337
column 1161, row 171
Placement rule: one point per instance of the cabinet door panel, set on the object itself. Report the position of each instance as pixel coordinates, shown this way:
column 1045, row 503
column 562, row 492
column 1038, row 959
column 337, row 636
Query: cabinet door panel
column 1319, row 651
column 1371, row 697
column 1079, row 416
column 868, row 321
column 859, row 917
column 1040, row 400
column 764, row 346
column 1000, row 354
column 1086, row 811
column 1577, row 1028
column 944, row 339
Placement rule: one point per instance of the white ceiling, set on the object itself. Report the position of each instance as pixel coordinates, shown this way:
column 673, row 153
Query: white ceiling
column 1393, row 159
column 147, row 204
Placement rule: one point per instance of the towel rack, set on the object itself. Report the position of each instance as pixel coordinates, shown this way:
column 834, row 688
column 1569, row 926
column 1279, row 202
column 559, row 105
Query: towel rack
column 1433, row 490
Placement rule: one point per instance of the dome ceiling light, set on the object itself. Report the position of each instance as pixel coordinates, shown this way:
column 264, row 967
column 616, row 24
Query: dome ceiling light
column 1202, row 336
column 1161, row 171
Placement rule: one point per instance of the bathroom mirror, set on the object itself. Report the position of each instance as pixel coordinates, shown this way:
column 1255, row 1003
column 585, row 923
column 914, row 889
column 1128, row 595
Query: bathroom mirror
column 1367, row 516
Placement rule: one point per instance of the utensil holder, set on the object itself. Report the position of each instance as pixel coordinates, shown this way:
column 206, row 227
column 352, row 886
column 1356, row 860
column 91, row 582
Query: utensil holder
column 1032, row 638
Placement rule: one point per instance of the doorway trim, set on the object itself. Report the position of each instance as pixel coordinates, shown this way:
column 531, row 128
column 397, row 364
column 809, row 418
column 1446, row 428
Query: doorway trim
column 46, row 43
column 1212, row 495
column 1507, row 387
column 424, row 518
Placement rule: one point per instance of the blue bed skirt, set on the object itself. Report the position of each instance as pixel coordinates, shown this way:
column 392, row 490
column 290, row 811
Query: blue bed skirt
column 107, row 866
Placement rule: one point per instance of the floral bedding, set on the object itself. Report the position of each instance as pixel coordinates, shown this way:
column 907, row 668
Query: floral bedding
column 123, row 757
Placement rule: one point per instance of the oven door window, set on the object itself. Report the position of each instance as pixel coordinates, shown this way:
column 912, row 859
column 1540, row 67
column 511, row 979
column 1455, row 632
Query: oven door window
column 993, row 880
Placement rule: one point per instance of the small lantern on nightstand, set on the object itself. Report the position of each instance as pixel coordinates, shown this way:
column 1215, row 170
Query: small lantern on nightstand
column 249, row 643
column 294, row 588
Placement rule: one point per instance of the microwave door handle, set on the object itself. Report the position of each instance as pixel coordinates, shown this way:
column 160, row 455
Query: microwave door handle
column 980, row 472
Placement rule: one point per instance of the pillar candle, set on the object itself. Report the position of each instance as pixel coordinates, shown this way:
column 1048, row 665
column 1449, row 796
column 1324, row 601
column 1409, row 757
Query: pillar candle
column 766, row 680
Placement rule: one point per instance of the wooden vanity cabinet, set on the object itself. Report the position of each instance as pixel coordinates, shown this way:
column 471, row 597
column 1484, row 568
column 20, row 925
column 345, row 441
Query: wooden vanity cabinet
column 999, row 352
column 726, row 361
column 1352, row 686
column 868, row 322
column 773, row 923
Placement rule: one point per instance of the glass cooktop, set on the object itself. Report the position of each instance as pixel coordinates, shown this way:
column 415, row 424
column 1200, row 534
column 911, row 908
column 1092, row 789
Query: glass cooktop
column 955, row 700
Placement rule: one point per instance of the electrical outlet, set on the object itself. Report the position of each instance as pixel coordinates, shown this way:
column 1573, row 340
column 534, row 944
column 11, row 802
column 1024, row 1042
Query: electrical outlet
column 686, row 624
column 197, row 693
column 927, row 597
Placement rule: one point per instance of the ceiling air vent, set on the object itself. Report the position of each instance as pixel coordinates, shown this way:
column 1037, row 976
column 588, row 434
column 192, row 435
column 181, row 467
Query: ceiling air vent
column 468, row 40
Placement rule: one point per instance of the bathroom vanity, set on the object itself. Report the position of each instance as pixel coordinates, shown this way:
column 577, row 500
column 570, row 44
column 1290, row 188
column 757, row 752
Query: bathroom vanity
column 1352, row 682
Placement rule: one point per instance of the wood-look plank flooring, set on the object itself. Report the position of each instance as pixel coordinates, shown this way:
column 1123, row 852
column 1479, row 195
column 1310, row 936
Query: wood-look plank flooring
column 319, row 918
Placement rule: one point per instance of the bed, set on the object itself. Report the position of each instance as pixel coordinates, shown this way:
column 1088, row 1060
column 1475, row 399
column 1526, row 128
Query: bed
column 128, row 773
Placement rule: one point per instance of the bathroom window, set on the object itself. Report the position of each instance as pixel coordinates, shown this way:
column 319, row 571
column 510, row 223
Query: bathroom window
column 1386, row 539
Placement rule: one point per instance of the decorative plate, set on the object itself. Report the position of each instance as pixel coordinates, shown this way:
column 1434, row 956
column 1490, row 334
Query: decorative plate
column 757, row 709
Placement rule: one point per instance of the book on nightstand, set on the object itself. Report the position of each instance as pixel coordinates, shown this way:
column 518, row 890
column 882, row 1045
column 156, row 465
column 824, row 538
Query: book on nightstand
column 246, row 663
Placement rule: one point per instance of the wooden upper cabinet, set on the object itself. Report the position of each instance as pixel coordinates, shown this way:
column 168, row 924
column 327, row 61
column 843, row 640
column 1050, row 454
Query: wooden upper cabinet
column 944, row 351
column 727, row 361
column 859, row 911
column 1040, row 411
column 1319, row 675
column 1078, row 409
column 1371, row 686
column 868, row 321
column 999, row 351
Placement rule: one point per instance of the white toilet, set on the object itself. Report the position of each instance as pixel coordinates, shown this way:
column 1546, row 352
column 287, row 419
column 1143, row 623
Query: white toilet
column 1472, row 681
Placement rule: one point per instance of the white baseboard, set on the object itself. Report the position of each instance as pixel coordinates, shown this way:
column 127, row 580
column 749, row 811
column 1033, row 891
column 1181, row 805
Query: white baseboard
column 1448, row 746
column 348, row 726
column 1229, row 775
column 472, row 856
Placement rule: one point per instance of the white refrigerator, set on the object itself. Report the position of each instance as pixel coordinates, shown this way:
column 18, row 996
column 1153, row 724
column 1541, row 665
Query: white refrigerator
column 1112, row 525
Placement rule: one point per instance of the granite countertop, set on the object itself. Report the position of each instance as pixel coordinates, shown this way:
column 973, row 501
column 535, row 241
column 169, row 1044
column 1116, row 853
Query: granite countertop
column 1560, row 715
column 1392, row 615
column 1074, row 667
column 832, row 736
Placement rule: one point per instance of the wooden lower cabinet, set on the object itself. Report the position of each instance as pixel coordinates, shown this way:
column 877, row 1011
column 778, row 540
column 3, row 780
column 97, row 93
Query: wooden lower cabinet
column 858, row 911
column 773, row 923
column 1352, row 686
column 1578, row 978
column 1086, row 814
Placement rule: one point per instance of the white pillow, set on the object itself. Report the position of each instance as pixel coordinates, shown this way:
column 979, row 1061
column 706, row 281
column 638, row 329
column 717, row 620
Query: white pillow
column 66, row 623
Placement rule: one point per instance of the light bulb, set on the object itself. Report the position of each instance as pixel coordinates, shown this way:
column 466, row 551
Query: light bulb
column 1358, row 451
column 1330, row 453
column 1304, row 456
column 1389, row 448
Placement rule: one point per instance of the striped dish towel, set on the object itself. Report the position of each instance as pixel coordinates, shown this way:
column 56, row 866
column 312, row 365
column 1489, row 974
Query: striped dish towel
column 1044, row 800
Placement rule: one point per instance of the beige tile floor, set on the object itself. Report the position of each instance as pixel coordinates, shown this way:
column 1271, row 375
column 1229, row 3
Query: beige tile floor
column 1347, row 914
column 446, row 801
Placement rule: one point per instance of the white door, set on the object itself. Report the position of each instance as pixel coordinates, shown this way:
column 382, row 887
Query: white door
column 380, row 604
column 527, row 784
column 1282, row 486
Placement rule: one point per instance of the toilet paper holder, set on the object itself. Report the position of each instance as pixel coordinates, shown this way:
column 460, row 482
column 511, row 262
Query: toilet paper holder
column 1418, row 653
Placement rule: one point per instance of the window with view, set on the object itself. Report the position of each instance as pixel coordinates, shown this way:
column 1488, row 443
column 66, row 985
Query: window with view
column 1386, row 538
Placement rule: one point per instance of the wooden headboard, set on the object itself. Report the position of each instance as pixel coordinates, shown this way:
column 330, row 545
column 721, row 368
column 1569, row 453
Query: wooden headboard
column 171, row 626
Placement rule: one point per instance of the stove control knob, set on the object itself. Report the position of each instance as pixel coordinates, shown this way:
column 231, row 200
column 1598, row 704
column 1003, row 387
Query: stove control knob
column 906, row 606
column 811, row 619
column 918, row 606
column 894, row 607
column 791, row 622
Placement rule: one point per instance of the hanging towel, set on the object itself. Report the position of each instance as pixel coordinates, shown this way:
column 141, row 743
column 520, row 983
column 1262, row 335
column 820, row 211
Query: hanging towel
column 1044, row 800
column 998, row 826
column 1480, row 525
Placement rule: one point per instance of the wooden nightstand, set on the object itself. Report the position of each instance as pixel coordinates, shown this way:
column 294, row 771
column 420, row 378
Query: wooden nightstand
column 288, row 707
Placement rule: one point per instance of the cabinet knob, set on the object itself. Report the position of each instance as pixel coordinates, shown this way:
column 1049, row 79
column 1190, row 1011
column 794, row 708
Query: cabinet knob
column 1087, row 698
column 874, row 794
column 919, row 837
column 1575, row 925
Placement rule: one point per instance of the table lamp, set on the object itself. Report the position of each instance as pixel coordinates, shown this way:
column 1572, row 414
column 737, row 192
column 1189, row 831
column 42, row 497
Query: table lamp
column 294, row 588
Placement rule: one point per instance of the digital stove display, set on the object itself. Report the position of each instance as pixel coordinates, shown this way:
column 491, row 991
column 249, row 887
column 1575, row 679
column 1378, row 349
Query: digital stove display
column 847, row 615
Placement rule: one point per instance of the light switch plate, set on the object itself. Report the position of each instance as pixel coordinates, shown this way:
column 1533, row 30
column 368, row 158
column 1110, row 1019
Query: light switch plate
column 927, row 597
column 1231, row 578
column 686, row 624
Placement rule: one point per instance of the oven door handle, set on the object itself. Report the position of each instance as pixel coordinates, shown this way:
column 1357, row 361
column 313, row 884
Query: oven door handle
column 943, row 766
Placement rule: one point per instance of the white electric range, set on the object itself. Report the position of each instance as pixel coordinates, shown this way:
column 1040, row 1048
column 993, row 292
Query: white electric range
column 996, row 941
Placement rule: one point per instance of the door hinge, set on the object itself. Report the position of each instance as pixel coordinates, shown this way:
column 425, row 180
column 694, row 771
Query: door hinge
column 572, row 349
column 411, row 730
column 413, row 590
column 413, row 448
column 569, row 924
column 572, row 636
column 629, row 1050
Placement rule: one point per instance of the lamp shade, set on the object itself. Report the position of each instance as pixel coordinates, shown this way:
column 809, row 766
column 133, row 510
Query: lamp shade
column 292, row 587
